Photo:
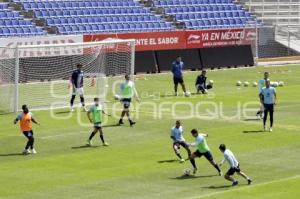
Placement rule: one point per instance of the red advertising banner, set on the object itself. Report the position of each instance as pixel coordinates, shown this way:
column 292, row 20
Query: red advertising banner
column 219, row 38
column 147, row 41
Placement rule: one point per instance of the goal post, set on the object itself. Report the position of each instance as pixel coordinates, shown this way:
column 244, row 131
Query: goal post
column 39, row 75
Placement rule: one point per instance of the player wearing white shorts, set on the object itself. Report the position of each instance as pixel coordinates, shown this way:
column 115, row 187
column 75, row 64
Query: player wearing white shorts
column 77, row 86
column 234, row 166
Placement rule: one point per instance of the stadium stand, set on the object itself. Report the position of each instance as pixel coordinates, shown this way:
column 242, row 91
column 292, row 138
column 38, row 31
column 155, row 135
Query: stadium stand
column 14, row 24
column 206, row 14
column 110, row 16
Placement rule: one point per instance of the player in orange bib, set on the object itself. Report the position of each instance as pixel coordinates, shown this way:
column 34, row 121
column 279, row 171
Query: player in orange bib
column 25, row 119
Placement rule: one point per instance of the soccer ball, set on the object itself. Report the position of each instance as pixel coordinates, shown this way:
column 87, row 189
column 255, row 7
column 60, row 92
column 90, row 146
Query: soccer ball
column 187, row 93
column 275, row 84
column 211, row 82
column 186, row 172
column 281, row 83
column 238, row 83
column 117, row 97
column 254, row 84
column 246, row 84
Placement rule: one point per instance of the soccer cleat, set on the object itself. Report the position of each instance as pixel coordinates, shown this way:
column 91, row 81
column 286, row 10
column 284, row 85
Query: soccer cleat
column 132, row 123
column 33, row 151
column 105, row 144
column 26, row 152
column 249, row 181
column 220, row 173
column 195, row 170
column 121, row 122
column 176, row 94
column 265, row 129
column 72, row 109
column 85, row 109
column 271, row 129
column 89, row 143
column 235, row 183
column 182, row 160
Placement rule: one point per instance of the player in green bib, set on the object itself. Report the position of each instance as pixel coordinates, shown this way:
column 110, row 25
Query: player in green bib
column 95, row 115
column 202, row 150
column 127, row 91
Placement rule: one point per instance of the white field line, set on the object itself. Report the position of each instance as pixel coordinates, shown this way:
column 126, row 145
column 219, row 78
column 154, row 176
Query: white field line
column 246, row 187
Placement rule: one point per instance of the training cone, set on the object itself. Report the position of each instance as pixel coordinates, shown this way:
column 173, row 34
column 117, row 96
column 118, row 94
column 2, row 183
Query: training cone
column 93, row 82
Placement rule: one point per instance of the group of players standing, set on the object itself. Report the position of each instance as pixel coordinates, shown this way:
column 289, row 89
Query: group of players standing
column 267, row 95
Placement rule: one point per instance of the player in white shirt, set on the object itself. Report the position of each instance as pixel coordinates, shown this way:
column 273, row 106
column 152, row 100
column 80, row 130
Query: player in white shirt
column 178, row 140
column 234, row 166
column 261, row 85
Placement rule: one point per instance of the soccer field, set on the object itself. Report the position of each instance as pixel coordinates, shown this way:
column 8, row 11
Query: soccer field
column 140, row 162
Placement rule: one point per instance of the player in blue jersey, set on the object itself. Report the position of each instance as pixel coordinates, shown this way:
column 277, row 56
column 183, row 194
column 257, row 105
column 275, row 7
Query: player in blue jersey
column 268, row 99
column 178, row 140
column 261, row 85
column 177, row 70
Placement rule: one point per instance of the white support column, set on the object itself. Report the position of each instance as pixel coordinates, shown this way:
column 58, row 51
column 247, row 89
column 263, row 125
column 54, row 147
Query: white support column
column 17, row 70
column 132, row 59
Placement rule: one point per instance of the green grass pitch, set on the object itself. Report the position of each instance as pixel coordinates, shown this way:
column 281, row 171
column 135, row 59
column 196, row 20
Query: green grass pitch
column 140, row 163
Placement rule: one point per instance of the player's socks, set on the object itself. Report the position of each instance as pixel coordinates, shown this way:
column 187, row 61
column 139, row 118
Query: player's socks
column 193, row 163
column 102, row 139
column 178, row 155
column 92, row 135
column 218, row 168
column 72, row 100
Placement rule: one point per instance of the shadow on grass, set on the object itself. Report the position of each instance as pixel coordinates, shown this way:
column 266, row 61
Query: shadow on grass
column 218, row 187
column 167, row 161
column 252, row 119
column 11, row 154
column 62, row 112
column 254, row 131
column 188, row 177
column 84, row 147
column 110, row 125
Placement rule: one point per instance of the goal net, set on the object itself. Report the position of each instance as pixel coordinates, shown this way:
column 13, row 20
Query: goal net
column 39, row 75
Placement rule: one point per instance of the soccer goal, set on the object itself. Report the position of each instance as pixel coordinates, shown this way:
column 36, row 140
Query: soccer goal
column 39, row 75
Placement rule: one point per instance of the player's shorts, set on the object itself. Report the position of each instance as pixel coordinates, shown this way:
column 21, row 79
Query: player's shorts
column 28, row 134
column 232, row 170
column 126, row 102
column 177, row 80
column 78, row 91
column 207, row 155
column 269, row 107
column 180, row 143
column 98, row 125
